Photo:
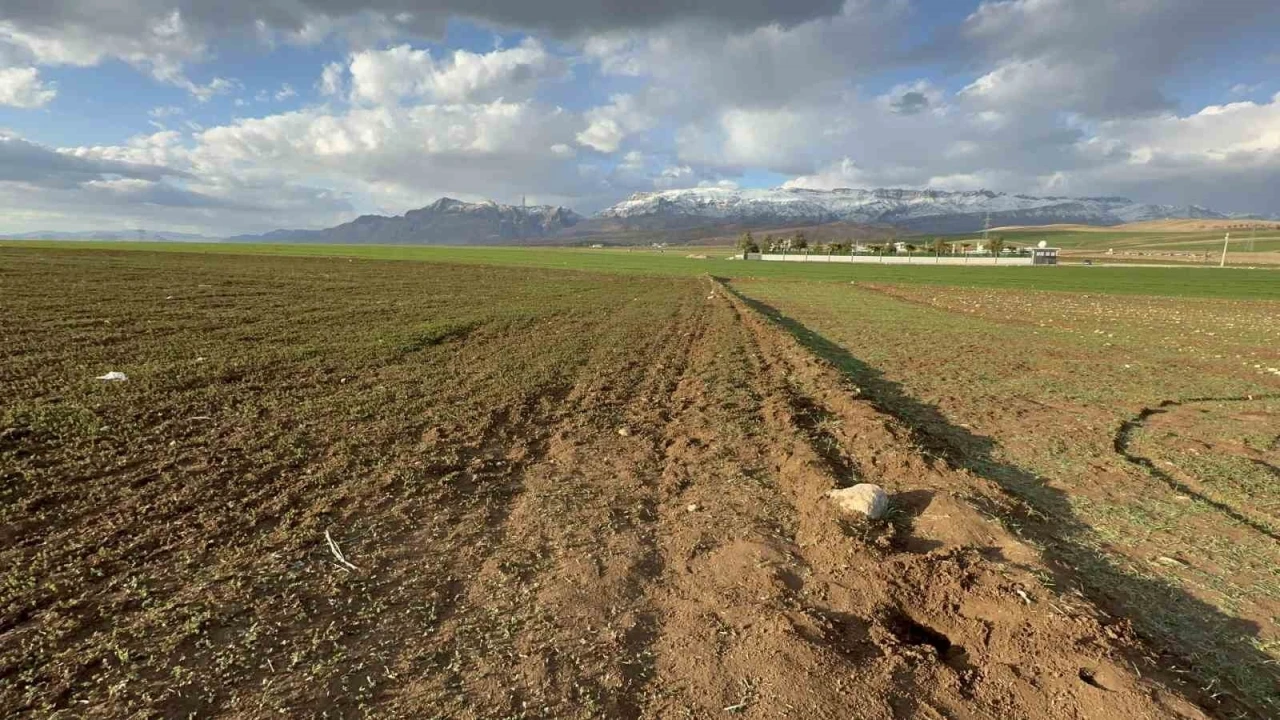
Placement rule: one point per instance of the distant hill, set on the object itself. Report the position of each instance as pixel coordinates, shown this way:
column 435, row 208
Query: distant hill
column 135, row 235
column 1198, row 225
column 1184, row 225
column 444, row 222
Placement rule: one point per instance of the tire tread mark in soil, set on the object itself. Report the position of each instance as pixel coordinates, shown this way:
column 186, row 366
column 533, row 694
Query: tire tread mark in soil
column 1124, row 439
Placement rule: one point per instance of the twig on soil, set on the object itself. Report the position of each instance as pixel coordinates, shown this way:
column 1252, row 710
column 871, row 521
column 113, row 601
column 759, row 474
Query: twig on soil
column 337, row 553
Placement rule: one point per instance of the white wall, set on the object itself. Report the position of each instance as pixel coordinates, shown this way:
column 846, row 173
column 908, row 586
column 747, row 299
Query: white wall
column 893, row 259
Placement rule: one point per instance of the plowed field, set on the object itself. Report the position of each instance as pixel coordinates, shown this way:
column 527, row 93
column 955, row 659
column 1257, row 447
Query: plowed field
column 340, row 488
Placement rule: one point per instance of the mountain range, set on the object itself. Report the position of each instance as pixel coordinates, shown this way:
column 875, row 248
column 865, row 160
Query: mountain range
column 444, row 222
column 929, row 211
column 700, row 213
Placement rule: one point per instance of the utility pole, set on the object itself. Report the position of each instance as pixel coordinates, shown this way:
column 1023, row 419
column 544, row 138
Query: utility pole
column 986, row 232
column 1225, row 241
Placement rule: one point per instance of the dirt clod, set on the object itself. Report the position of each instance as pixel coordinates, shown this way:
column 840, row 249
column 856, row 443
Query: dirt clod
column 863, row 498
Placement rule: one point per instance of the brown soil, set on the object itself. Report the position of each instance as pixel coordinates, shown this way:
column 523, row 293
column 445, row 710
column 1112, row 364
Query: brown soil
column 689, row 567
column 646, row 541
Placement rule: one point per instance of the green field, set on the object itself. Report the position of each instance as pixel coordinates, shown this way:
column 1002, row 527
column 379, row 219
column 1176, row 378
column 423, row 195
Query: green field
column 1185, row 282
column 1101, row 241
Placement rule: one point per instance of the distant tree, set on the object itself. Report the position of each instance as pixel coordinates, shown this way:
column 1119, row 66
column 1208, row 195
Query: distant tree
column 799, row 242
column 837, row 247
column 747, row 244
column 964, row 246
column 940, row 246
column 910, row 248
column 995, row 245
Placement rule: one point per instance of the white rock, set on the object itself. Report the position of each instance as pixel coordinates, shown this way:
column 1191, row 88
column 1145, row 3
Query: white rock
column 113, row 376
column 870, row 500
column 693, row 507
column 624, row 432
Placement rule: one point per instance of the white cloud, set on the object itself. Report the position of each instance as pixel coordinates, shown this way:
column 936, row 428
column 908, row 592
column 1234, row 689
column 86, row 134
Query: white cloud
column 404, row 73
column 391, row 158
column 1065, row 96
column 842, row 174
column 1099, row 57
column 386, row 76
column 608, row 125
column 206, row 92
column 22, row 88
column 159, row 43
column 166, row 111
column 332, row 79
column 285, row 92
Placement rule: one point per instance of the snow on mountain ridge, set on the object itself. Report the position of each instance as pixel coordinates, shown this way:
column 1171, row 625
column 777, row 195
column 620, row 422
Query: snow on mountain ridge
column 886, row 205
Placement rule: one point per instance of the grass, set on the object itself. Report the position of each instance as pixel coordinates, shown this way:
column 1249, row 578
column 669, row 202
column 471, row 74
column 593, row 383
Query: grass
column 1031, row 390
column 1181, row 282
column 1100, row 241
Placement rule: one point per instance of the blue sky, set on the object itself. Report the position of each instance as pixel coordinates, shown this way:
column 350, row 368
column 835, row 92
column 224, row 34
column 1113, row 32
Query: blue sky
column 247, row 116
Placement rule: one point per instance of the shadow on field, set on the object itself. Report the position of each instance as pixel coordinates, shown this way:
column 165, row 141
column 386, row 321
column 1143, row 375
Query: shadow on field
column 1225, row 672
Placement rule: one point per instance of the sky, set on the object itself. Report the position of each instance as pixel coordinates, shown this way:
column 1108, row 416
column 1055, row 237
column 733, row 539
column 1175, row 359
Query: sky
column 244, row 116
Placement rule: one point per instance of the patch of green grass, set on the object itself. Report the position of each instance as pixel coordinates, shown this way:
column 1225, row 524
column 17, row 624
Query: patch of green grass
column 1103, row 240
column 1186, row 282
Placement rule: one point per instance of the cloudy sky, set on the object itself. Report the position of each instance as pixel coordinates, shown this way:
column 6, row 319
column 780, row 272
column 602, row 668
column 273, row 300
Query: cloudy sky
column 248, row 115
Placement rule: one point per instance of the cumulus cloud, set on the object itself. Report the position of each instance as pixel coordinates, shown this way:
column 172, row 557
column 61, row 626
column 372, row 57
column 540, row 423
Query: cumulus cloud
column 22, row 88
column 388, row 158
column 762, row 67
column 159, row 42
column 314, row 19
column 1096, row 56
column 35, row 165
column 332, row 80
column 1062, row 96
column 405, row 73
column 608, row 125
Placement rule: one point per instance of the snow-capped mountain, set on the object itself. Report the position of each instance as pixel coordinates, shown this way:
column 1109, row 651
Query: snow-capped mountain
column 444, row 222
column 922, row 210
column 691, row 215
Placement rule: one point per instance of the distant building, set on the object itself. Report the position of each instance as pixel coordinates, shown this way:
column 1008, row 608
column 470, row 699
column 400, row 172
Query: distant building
column 1044, row 256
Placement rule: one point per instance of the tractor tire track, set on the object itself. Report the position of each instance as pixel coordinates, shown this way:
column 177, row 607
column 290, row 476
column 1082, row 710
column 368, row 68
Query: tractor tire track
column 1123, row 443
